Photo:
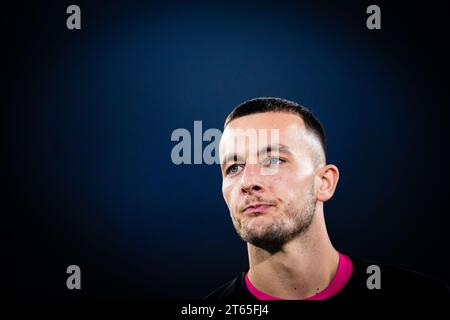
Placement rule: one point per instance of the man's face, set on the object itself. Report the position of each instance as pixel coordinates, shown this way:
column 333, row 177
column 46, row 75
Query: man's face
column 268, row 182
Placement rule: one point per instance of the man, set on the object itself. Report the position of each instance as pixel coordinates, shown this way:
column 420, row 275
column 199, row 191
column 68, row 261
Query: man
column 275, row 182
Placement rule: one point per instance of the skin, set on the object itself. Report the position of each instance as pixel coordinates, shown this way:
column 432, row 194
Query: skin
column 290, row 253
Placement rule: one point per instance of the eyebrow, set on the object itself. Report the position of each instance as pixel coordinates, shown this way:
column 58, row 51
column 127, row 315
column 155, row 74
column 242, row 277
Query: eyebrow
column 233, row 157
column 274, row 147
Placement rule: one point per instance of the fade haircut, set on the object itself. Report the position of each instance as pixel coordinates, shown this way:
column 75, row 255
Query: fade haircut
column 270, row 104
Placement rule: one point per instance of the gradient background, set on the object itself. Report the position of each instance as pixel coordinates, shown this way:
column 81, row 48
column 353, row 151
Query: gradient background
column 87, row 116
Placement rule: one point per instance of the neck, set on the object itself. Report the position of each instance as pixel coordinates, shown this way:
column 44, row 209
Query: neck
column 303, row 267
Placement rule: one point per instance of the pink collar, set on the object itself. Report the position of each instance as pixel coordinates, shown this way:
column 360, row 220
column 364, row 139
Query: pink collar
column 343, row 274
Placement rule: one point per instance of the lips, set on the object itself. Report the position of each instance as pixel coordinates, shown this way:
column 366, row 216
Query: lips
column 257, row 208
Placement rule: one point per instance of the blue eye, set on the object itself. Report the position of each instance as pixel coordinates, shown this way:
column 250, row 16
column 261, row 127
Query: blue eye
column 233, row 169
column 273, row 161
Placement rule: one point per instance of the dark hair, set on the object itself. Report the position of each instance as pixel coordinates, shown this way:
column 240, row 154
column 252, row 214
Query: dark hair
column 269, row 104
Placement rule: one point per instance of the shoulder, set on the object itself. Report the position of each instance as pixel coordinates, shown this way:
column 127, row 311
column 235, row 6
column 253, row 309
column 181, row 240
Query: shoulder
column 395, row 282
column 232, row 290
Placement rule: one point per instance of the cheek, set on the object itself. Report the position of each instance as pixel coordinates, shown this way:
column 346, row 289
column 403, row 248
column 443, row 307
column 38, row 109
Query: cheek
column 288, row 186
column 227, row 190
column 274, row 183
column 277, row 187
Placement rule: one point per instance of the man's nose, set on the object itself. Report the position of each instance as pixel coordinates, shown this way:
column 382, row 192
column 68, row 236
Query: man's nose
column 251, row 181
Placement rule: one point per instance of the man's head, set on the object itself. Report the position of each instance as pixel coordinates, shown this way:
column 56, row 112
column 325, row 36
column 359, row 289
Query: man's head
column 273, row 183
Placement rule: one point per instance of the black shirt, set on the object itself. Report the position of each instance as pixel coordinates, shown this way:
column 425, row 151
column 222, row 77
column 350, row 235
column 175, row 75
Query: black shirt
column 396, row 284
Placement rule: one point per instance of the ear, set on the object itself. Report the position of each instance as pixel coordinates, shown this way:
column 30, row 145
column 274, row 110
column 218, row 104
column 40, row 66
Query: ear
column 328, row 177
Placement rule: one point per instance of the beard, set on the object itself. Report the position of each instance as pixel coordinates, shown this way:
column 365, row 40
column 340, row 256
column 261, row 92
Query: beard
column 285, row 226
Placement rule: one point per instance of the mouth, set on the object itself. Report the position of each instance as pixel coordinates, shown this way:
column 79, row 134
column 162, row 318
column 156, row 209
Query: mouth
column 257, row 208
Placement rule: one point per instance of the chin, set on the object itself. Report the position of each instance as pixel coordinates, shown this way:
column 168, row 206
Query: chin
column 257, row 223
column 258, row 229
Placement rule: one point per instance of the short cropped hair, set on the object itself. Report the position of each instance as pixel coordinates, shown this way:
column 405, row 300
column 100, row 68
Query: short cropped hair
column 270, row 104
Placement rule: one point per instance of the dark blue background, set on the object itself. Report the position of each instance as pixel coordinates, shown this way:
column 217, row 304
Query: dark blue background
column 87, row 119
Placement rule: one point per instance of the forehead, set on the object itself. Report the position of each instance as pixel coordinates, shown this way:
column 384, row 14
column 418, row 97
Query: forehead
column 290, row 128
